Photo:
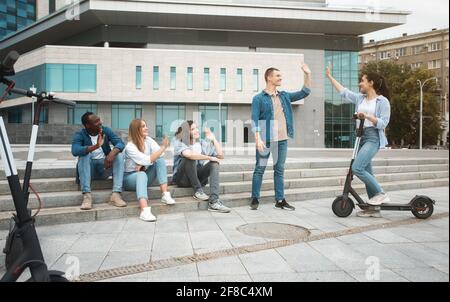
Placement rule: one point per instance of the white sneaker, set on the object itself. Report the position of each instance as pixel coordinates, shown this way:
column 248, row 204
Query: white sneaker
column 167, row 199
column 369, row 213
column 146, row 215
column 379, row 199
column 200, row 195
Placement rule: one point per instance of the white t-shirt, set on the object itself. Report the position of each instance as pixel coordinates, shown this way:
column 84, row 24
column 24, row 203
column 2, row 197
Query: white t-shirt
column 368, row 107
column 134, row 157
column 97, row 153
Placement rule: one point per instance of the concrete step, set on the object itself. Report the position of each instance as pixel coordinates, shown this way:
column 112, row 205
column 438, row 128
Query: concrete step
column 64, row 171
column 74, row 198
column 61, row 215
column 45, row 185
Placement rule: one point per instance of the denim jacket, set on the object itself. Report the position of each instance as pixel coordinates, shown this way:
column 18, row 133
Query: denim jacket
column 263, row 115
column 81, row 141
column 382, row 111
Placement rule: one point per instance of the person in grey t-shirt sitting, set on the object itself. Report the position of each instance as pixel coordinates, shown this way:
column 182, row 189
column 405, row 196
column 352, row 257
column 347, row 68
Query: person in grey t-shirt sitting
column 196, row 160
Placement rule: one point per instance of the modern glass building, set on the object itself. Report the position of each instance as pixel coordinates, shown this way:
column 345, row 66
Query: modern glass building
column 184, row 60
column 339, row 126
column 16, row 14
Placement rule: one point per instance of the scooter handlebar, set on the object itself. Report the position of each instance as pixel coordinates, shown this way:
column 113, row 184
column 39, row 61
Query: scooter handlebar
column 63, row 102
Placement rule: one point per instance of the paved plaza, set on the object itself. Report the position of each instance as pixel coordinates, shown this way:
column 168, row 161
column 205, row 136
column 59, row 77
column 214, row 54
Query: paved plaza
column 205, row 246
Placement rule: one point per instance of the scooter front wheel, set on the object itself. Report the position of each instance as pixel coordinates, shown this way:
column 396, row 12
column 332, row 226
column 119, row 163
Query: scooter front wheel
column 341, row 207
column 422, row 208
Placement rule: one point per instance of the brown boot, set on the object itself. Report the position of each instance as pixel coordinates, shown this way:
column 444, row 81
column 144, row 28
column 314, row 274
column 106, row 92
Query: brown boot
column 87, row 201
column 117, row 201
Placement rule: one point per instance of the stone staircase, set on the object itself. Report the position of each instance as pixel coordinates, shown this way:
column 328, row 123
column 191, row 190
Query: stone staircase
column 303, row 181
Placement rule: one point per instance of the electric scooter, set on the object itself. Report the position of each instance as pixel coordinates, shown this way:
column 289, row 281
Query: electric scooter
column 22, row 248
column 421, row 206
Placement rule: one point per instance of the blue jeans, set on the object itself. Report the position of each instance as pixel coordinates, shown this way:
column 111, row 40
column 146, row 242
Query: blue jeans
column 93, row 169
column 362, row 166
column 140, row 181
column 279, row 151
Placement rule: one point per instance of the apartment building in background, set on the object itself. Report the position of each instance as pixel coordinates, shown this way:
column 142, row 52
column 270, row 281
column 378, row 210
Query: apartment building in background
column 424, row 50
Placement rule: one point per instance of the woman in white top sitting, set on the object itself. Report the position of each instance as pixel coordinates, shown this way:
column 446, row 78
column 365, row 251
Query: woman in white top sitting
column 144, row 165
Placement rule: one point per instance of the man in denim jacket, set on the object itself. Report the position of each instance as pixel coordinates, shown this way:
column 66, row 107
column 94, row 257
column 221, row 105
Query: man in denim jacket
column 96, row 160
column 273, row 125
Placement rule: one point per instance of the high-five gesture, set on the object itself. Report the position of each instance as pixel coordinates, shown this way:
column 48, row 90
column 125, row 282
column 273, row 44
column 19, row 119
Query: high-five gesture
column 307, row 72
column 306, row 69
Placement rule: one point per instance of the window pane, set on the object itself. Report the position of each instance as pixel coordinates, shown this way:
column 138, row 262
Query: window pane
column 223, row 79
column 74, row 114
column 206, row 79
column 71, row 77
column 138, row 77
column 239, row 79
column 88, row 78
column 155, row 77
column 173, row 78
column 255, row 80
column 190, row 78
column 123, row 114
column 168, row 119
column 54, row 77
column 43, row 116
column 214, row 117
column 15, row 115
column 338, row 115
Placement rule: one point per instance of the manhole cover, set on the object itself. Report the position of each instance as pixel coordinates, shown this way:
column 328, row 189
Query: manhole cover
column 273, row 230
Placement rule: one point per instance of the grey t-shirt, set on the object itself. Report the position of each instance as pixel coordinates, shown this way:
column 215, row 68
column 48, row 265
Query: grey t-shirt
column 204, row 147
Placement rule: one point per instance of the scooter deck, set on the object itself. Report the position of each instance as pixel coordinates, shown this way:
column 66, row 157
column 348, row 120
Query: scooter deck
column 387, row 207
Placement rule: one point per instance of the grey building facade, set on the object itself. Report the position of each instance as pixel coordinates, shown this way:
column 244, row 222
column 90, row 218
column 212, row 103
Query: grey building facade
column 167, row 61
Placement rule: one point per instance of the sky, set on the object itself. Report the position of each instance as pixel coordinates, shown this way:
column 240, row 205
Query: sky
column 426, row 15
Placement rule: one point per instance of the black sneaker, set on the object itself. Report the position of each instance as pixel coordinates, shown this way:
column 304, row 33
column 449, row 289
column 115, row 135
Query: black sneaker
column 283, row 205
column 255, row 204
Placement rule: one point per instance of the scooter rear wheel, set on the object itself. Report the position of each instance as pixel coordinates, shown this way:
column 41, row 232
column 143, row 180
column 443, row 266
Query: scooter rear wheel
column 342, row 208
column 422, row 208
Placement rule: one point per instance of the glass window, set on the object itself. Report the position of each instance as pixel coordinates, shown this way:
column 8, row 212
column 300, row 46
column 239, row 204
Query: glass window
column 338, row 115
column 190, row 78
column 88, row 78
column 435, row 46
column 173, row 78
column 255, row 80
column 74, row 114
column 239, row 79
column 54, row 77
column 223, row 79
column 138, row 77
column 123, row 114
column 214, row 117
column 15, row 115
column 400, row 52
column 168, row 118
column 155, row 77
column 206, row 79
column 52, row 6
column 70, row 78
column 43, row 116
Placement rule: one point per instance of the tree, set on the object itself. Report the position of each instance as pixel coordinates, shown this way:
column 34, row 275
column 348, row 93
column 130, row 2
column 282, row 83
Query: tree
column 404, row 127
